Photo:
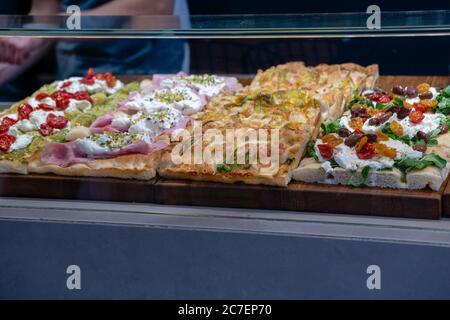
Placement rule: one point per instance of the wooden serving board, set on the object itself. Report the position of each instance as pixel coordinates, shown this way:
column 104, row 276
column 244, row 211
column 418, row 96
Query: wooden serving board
column 297, row 196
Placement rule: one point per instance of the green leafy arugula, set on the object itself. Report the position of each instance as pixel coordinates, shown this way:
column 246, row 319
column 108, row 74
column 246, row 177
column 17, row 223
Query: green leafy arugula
column 331, row 126
column 430, row 159
column 443, row 101
column 359, row 179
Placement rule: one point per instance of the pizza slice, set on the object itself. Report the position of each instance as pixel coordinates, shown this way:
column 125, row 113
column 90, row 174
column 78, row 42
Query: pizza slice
column 50, row 113
column 334, row 85
column 249, row 137
column 397, row 140
column 127, row 142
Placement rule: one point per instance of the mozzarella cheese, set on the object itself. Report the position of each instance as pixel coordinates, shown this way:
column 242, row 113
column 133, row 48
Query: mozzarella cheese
column 90, row 147
column 403, row 150
column 97, row 86
column 75, row 105
column 22, row 141
column 428, row 124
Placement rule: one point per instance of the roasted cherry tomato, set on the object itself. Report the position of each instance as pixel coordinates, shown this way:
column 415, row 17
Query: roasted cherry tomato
column 45, row 107
column 7, row 121
column 41, row 95
column 90, row 73
column 87, row 81
column 83, row 95
column 384, row 99
column 375, row 96
column 420, row 107
column 24, row 111
column 56, row 122
column 326, row 151
column 66, row 84
column 45, row 130
column 416, row 116
column 6, row 140
column 367, row 151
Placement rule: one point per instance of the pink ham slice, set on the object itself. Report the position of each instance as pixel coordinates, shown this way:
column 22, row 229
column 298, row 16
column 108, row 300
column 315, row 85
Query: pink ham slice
column 66, row 154
column 61, row 154
column 104, row 124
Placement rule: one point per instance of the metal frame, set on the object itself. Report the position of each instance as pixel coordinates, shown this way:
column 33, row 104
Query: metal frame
column 412, row 231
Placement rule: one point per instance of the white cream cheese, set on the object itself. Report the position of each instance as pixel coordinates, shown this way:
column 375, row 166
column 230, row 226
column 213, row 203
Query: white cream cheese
column 428, row 124
column 403, row 150
column 22, row 141
column 90, row 147
column 97, row 86
column 74, row 105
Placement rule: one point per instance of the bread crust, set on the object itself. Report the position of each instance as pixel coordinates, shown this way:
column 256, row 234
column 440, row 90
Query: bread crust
column 132, row 166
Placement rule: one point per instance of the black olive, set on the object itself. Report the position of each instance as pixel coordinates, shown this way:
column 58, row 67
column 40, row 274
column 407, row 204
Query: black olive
column 374, row 122
column 399, row 90
column 426, row 95
column 371, row 138
column 422, row 135
column 394, row 109
column 403, row 113
column 443, row 128
column 411, row 92
column 420, row 147
column 384, row 117
column 356, row 111
column 352, row 140
column 344, row 132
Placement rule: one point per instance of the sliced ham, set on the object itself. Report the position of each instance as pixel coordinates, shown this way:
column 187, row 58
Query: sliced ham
column 103, row 124
column 61, row 154
column 66, row 154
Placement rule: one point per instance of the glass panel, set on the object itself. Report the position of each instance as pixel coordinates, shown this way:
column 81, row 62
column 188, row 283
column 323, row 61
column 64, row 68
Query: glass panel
column 404, row 23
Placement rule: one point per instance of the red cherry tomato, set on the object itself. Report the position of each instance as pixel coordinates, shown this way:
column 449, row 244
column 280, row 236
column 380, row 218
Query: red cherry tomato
column 416, row 116
column 66, row 84
column 367, row 151
column 41, row 95
column 56, row 122
column 7, row 121
column 384, row 99
column 6, row 140
column 45, row 107
column 374, row 96
column 24, row 111
column 326, row 151
column 419, row 107
column 87, row 81
column 90, row 73
column 83, row 95
column 62, row 104
column 45, row 130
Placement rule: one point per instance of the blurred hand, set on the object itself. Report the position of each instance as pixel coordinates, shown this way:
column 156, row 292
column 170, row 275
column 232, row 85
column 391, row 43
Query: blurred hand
column 18, row 50
column 17, row 54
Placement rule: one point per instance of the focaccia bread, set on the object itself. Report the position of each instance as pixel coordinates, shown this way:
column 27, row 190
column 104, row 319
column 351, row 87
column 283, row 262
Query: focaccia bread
column 390, row 141
column 127, row 142
column 292, row 114
column 333, row 85
column 51, row 112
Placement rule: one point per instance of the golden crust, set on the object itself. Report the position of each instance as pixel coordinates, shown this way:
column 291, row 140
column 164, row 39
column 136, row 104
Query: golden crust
column 133, row 166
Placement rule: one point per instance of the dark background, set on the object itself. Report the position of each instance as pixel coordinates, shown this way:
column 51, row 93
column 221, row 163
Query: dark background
column 407, row 56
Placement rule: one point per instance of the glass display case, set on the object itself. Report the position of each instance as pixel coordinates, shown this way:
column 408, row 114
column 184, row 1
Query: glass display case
column 94, row 107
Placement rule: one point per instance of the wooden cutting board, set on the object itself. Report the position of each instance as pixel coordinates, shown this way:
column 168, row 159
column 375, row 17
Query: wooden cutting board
column 297, row 196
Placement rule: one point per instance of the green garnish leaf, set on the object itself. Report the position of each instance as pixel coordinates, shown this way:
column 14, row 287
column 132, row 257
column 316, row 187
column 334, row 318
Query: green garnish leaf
column 430, row 159
column 331, row 126
column 358, row 179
